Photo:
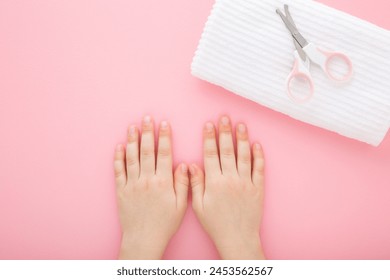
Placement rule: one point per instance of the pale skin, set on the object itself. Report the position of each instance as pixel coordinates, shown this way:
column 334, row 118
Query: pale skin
column 227, row 197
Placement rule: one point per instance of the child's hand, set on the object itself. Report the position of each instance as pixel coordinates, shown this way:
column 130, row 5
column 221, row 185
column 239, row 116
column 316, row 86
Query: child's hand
column 151, row 200
column 228, row 199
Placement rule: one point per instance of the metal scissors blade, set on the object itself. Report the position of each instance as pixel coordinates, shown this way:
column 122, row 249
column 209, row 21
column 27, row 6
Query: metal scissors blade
column 301, row 52
column 288, row 15
column 299, row 41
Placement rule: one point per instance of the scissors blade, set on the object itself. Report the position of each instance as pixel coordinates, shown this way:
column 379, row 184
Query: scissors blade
column 289, row 17
column 289, row 22
column 301, row 52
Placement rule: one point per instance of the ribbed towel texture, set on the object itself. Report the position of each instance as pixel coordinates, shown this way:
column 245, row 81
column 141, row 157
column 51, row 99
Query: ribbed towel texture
column 246, row 48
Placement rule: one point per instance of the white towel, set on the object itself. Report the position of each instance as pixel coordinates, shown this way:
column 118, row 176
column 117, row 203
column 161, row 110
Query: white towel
column 246, row 48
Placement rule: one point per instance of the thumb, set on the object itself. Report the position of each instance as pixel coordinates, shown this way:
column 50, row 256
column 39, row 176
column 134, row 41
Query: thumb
column 181, row 185
column 197, row 187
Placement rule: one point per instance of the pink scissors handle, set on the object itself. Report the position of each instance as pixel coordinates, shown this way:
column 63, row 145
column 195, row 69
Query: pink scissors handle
column 300, row 71
column 324, row 59
column 334, row 55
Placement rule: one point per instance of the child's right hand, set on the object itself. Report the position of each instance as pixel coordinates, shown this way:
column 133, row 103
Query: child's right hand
column 228, row 198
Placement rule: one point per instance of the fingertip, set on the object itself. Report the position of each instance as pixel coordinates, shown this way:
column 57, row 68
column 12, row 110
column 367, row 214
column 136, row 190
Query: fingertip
column 119, row 151
column 181, row 170
column 224, row 119
column 165, row 133
column 196, row 174
column 119, row 148
column 164, row 124
column 224, row 125
column 209, row 129
column 164, row 128
column 184, row 169
column 147, row 123
column 132, row 133
column 257, row 149
column 241, row 131
column 147, row 119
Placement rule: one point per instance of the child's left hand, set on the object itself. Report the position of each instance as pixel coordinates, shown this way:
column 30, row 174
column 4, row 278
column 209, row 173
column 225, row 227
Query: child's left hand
column 152, row 201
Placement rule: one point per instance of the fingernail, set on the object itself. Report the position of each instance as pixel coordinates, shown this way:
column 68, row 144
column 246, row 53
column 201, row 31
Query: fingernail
column 257, row 146
column 225, row 120
column 132, row 130
column 147, row 119
column 192, row 170
column 119, row 147
column 183, row 168
column 209, row 127
column 241, row 128
column 164, row 124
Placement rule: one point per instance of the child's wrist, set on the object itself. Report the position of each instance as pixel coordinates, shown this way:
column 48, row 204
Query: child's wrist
column 141, row 248
column 241, row 247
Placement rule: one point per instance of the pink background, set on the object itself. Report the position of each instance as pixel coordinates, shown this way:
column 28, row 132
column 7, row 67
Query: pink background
column 75, row 73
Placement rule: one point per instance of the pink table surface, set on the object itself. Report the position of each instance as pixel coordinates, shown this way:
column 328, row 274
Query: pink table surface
column 74, row 74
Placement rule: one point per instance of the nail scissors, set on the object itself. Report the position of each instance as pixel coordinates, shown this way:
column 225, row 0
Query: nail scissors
column 306, row 52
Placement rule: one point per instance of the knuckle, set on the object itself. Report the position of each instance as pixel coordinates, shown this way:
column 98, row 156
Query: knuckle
column 131, row 161
column 260, row 164
column 210, row 153
column 227, row 152
column 147, row 152
column 245, row 159
column 147, row 134
column 131, row 139
column 147, row 128
column 118, row 169
column 209, row 134
column 243, row 137
column 225, row 133
column 118, row 156
column 164, row 133
column 118, row 173
column 259, row 171
column 164, row 152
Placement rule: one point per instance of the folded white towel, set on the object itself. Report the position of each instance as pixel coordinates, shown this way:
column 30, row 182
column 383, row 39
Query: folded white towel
column 246, row 48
